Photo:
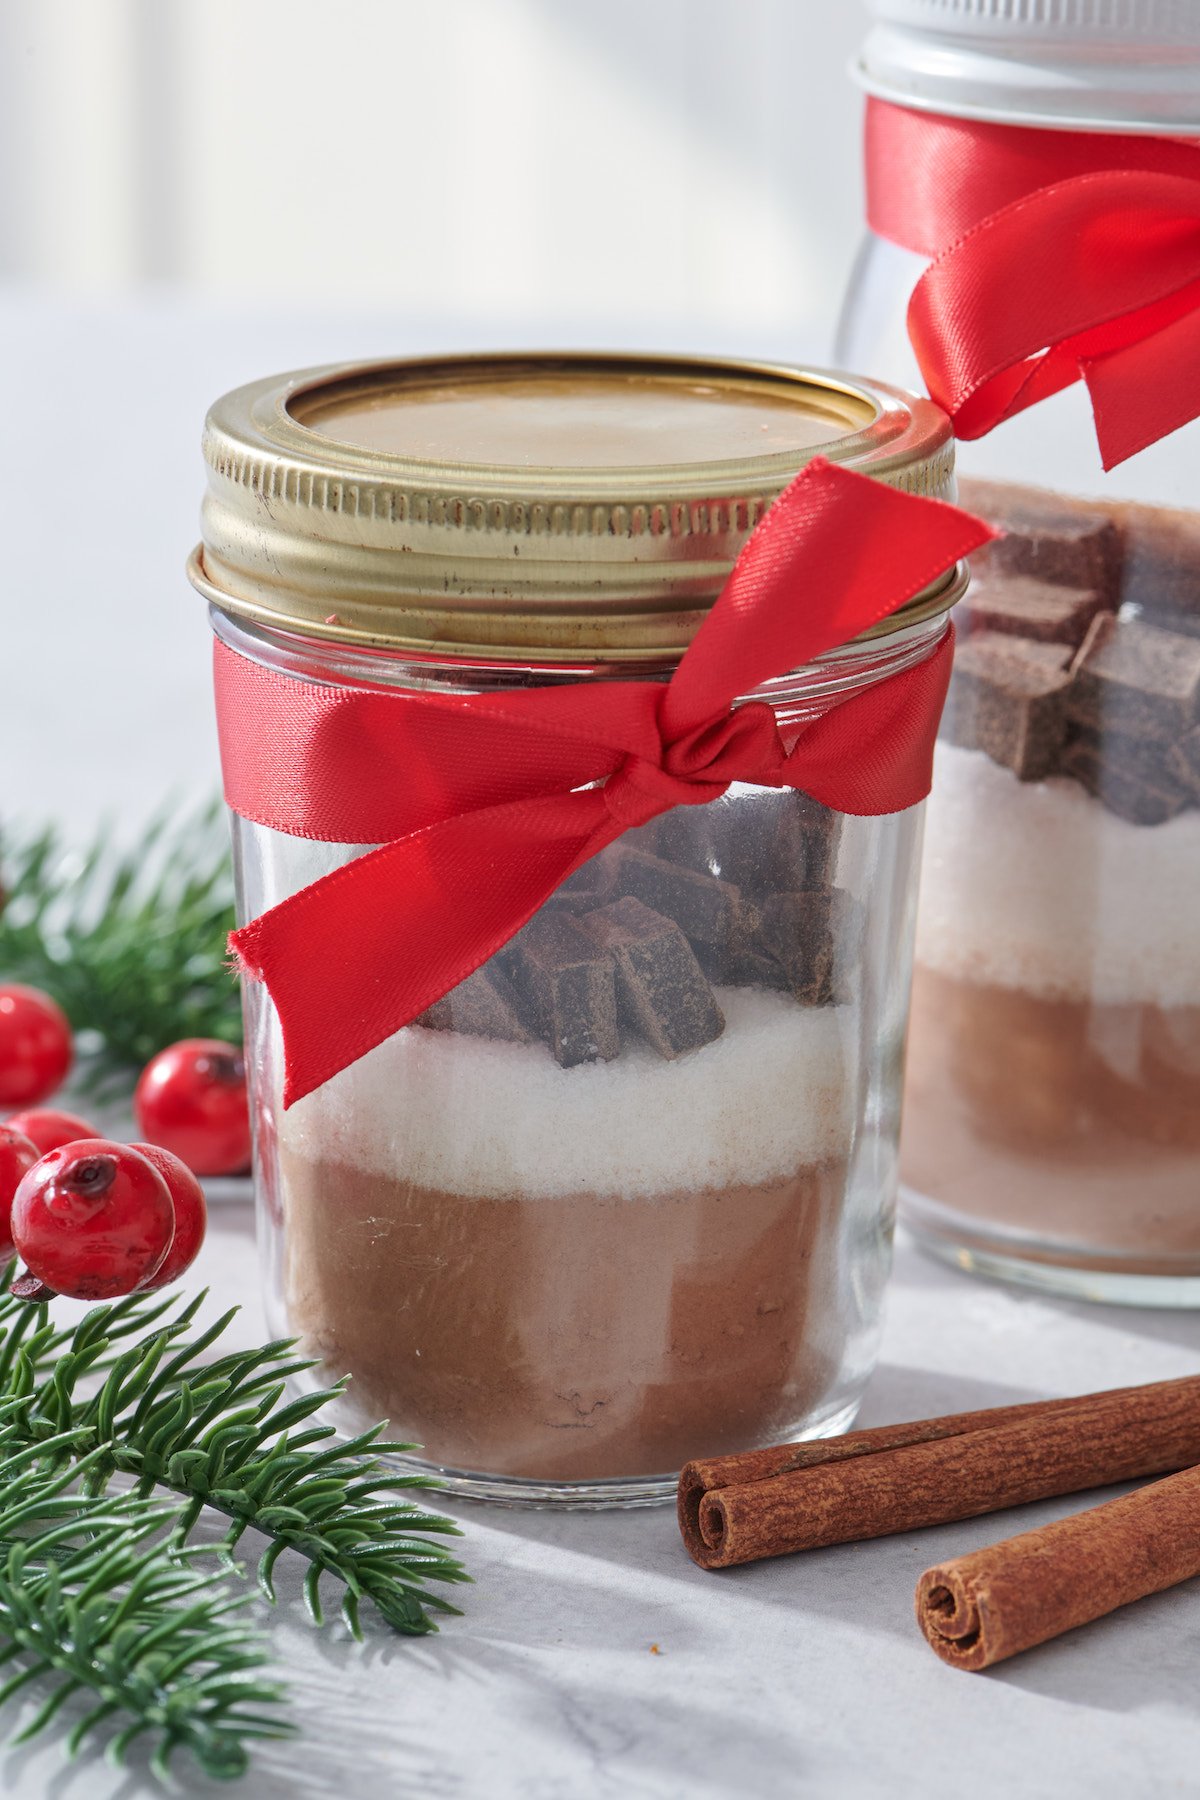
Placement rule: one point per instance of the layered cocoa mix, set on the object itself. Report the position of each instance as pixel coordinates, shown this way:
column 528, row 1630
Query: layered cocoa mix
column 585, row 1214
column 1053, row 1088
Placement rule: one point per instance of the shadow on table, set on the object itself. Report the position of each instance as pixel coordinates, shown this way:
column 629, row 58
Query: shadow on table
column 1132, row 1659
column 348, row 1748
column 650, row 1536
column 666, row 1737
column 897, row 1391
column 1167, row 1324
column 543, row 1640
column 338, row 1741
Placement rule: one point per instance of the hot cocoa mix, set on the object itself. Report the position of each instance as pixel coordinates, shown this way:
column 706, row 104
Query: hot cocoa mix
column 585, row 1213
column 568, row 1338
column 1077, row 1126
column 1053, row 1089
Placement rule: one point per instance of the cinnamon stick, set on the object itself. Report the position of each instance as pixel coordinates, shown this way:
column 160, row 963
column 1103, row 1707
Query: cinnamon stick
column 737, row 1509
column 979, row 1609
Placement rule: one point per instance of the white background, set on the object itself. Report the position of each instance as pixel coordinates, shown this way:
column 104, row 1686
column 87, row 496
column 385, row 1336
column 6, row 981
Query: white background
column 196, row 192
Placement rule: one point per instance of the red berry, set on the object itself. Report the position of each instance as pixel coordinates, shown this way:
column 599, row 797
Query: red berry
column 93, row 1220
column 191, row 1213
column 51, row 1130
column 191, row 1099
column 35, row 1045
column 17, row 1157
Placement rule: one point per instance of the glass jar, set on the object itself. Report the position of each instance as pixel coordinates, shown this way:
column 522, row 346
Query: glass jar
column 1052, row 1110
column 626, row 1193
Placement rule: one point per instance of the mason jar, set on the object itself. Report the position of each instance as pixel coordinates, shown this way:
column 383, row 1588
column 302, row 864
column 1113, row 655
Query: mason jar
column 1052, row 1113
column 625, row 1193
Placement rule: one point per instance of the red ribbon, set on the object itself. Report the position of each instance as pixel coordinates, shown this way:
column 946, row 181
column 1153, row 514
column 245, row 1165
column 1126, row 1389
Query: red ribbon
column 483, row 805
column 1057, row 256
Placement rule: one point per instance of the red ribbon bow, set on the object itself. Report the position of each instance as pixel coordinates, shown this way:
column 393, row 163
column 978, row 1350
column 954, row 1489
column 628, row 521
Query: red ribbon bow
column 484, row 803
column 1058, row 256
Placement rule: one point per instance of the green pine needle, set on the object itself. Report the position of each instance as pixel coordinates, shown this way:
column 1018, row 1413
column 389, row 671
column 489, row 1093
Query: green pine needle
column 97, row 1589
column 131, row 944
column 96, row 1602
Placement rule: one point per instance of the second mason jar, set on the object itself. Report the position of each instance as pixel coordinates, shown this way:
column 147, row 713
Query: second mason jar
column 1052, row 1111
column 625, row 1194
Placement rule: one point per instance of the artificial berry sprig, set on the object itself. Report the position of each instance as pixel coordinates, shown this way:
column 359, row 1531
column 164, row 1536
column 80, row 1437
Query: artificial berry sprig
column 93, row 1220
column 131, row 942
column 49, row 1129
column 18, row 1154
column 191, row 1213
column 36, row 1046
column 191, row 1098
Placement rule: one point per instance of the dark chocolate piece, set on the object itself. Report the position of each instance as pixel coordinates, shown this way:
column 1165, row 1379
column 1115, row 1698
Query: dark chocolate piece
column 703, row 906
column 1130, row 776
column 742, row 959
column 814, row 938
column 1006, row 699
column 1024, row 607
column 806, row 841
column 1183, row 763
column 758, row 842
column 569, row 985
column 1073, row 543
column 1136, row 679
column 589, row 887
column 661, row 992
column 483, row 1005
column 1161, row 572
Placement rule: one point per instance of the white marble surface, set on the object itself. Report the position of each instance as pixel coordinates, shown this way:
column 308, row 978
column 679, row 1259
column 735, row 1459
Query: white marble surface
column 800, row 1677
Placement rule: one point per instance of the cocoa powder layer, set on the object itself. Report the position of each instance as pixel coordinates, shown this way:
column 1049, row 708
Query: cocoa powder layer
column 1075, row 1123
column 573, row 1338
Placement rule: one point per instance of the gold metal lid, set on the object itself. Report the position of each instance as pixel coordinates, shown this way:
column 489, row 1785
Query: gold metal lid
column 547, row 506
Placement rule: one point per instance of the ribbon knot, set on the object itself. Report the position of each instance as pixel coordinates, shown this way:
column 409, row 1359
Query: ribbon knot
column 1058, row 256
column 723, row 750
column 698, row 766
column 638, row 790
column 483, row 804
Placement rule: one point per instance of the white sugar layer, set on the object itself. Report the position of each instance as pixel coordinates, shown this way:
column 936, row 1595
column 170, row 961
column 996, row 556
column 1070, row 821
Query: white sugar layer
column 467, row 1115
column 1037, row 886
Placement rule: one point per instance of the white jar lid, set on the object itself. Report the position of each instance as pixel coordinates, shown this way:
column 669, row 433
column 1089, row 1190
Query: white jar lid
column 1101, row 65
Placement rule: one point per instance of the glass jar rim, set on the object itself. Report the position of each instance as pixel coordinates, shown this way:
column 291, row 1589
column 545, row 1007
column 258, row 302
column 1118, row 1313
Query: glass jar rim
column 832, row 676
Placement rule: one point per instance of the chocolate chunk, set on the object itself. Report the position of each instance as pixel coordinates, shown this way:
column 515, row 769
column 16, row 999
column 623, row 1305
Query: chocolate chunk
column 1024, row 607
column 1006, row 699
column 814, row 939
column 806, row 841
column 1130, row 776
column 741, row 959
column 758, row 842
column 484, row 1005
column 1072, row 543
column 1161, row 573
column 589, row 887
column 569, row 985
column 1183, row 763
column 703, row 906
column 1137, row 680
column 661, row 992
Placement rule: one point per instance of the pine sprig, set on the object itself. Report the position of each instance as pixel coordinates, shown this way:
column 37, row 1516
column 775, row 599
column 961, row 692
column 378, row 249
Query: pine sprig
column 222, row 1436
column 96, row 1602
column 117, row 1437
column 131, row 944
